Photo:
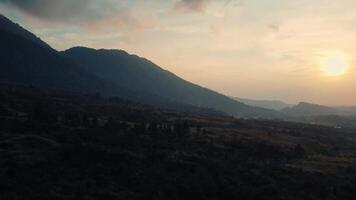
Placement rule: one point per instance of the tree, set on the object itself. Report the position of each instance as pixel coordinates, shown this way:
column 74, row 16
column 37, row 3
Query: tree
column 153, row 127
column 139, row 128
column 299, row 151
column 181, row 128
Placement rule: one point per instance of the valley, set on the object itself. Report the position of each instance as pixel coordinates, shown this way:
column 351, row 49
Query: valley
column 61, row 146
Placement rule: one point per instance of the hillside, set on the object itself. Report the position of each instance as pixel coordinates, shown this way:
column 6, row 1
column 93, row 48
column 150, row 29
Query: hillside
column 140, row 74
column 64, row 147
column 30, row 61
column 8, row 26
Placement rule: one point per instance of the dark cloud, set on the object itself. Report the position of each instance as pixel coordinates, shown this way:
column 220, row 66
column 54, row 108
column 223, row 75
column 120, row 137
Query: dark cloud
column 93, row 15
column 192, row 5
column 65, row 10
column 200, row 6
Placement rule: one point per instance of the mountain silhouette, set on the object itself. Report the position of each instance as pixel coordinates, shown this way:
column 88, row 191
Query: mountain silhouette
column 308, row 109
column 28, row 60
column 25, row 59
column 10, row 27
column 140, row 74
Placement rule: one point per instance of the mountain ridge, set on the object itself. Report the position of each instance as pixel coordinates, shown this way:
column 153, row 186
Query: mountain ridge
column 309, row 109
column 31, row 61
column 11, row 27
column 138, row 73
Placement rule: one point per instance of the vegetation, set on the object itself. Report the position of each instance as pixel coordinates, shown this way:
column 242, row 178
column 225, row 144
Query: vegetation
column 58, row 146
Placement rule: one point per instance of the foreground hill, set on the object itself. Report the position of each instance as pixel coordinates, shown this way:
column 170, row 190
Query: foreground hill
column 140, row 74
column 8, row 26
column 25, row 59
column 66, row 147
column 28, row 60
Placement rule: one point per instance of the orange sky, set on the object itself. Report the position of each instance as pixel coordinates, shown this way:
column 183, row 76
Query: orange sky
column 262, row 49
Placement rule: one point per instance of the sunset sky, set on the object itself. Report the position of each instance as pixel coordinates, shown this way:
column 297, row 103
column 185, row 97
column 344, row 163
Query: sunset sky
column 260, row 49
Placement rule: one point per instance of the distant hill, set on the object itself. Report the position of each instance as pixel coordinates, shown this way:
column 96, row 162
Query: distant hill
column 26, row 59
column 308, row 109
column 268, row 104
column 346, row 110
column 140, row 74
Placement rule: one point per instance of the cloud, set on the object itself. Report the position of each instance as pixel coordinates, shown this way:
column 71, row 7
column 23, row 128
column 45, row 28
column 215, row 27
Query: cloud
column 199, row 6
column 92, row 15
column 64, row 10
column 274, row 27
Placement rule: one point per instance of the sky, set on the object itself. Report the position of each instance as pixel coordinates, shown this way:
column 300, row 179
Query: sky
column 259, row 49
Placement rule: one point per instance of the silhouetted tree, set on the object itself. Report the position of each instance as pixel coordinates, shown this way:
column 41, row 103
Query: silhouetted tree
column 186, row 127
column 94, row 122
column 181, row 128
column 112, row 124
column 153, row 127
column 299, row 151
column 139, row 128
column 85, row 120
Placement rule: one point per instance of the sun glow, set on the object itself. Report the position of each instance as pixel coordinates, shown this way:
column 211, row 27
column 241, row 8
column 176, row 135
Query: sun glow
column 334, row 64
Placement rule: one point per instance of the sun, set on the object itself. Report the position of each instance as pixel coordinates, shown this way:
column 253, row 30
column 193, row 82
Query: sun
column 335, row 64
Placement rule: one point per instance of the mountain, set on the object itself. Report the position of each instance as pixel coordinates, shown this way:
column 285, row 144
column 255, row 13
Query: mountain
column 140, row 74
column 337, row 117
column 346, row 110
column 268, row 104
column 308, row 109
column 10, row 27
column 27, row 60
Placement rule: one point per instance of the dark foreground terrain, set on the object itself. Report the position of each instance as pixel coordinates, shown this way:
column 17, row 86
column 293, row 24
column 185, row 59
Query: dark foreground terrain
column 55, row 146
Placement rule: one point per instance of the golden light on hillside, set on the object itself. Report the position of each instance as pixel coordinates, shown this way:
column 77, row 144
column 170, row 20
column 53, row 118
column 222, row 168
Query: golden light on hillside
column 335, row 64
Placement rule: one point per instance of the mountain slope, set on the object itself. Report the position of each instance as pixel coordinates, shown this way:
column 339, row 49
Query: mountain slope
column 140, row 74
column 268, row 104
column 10, row 27
column 27, row 60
